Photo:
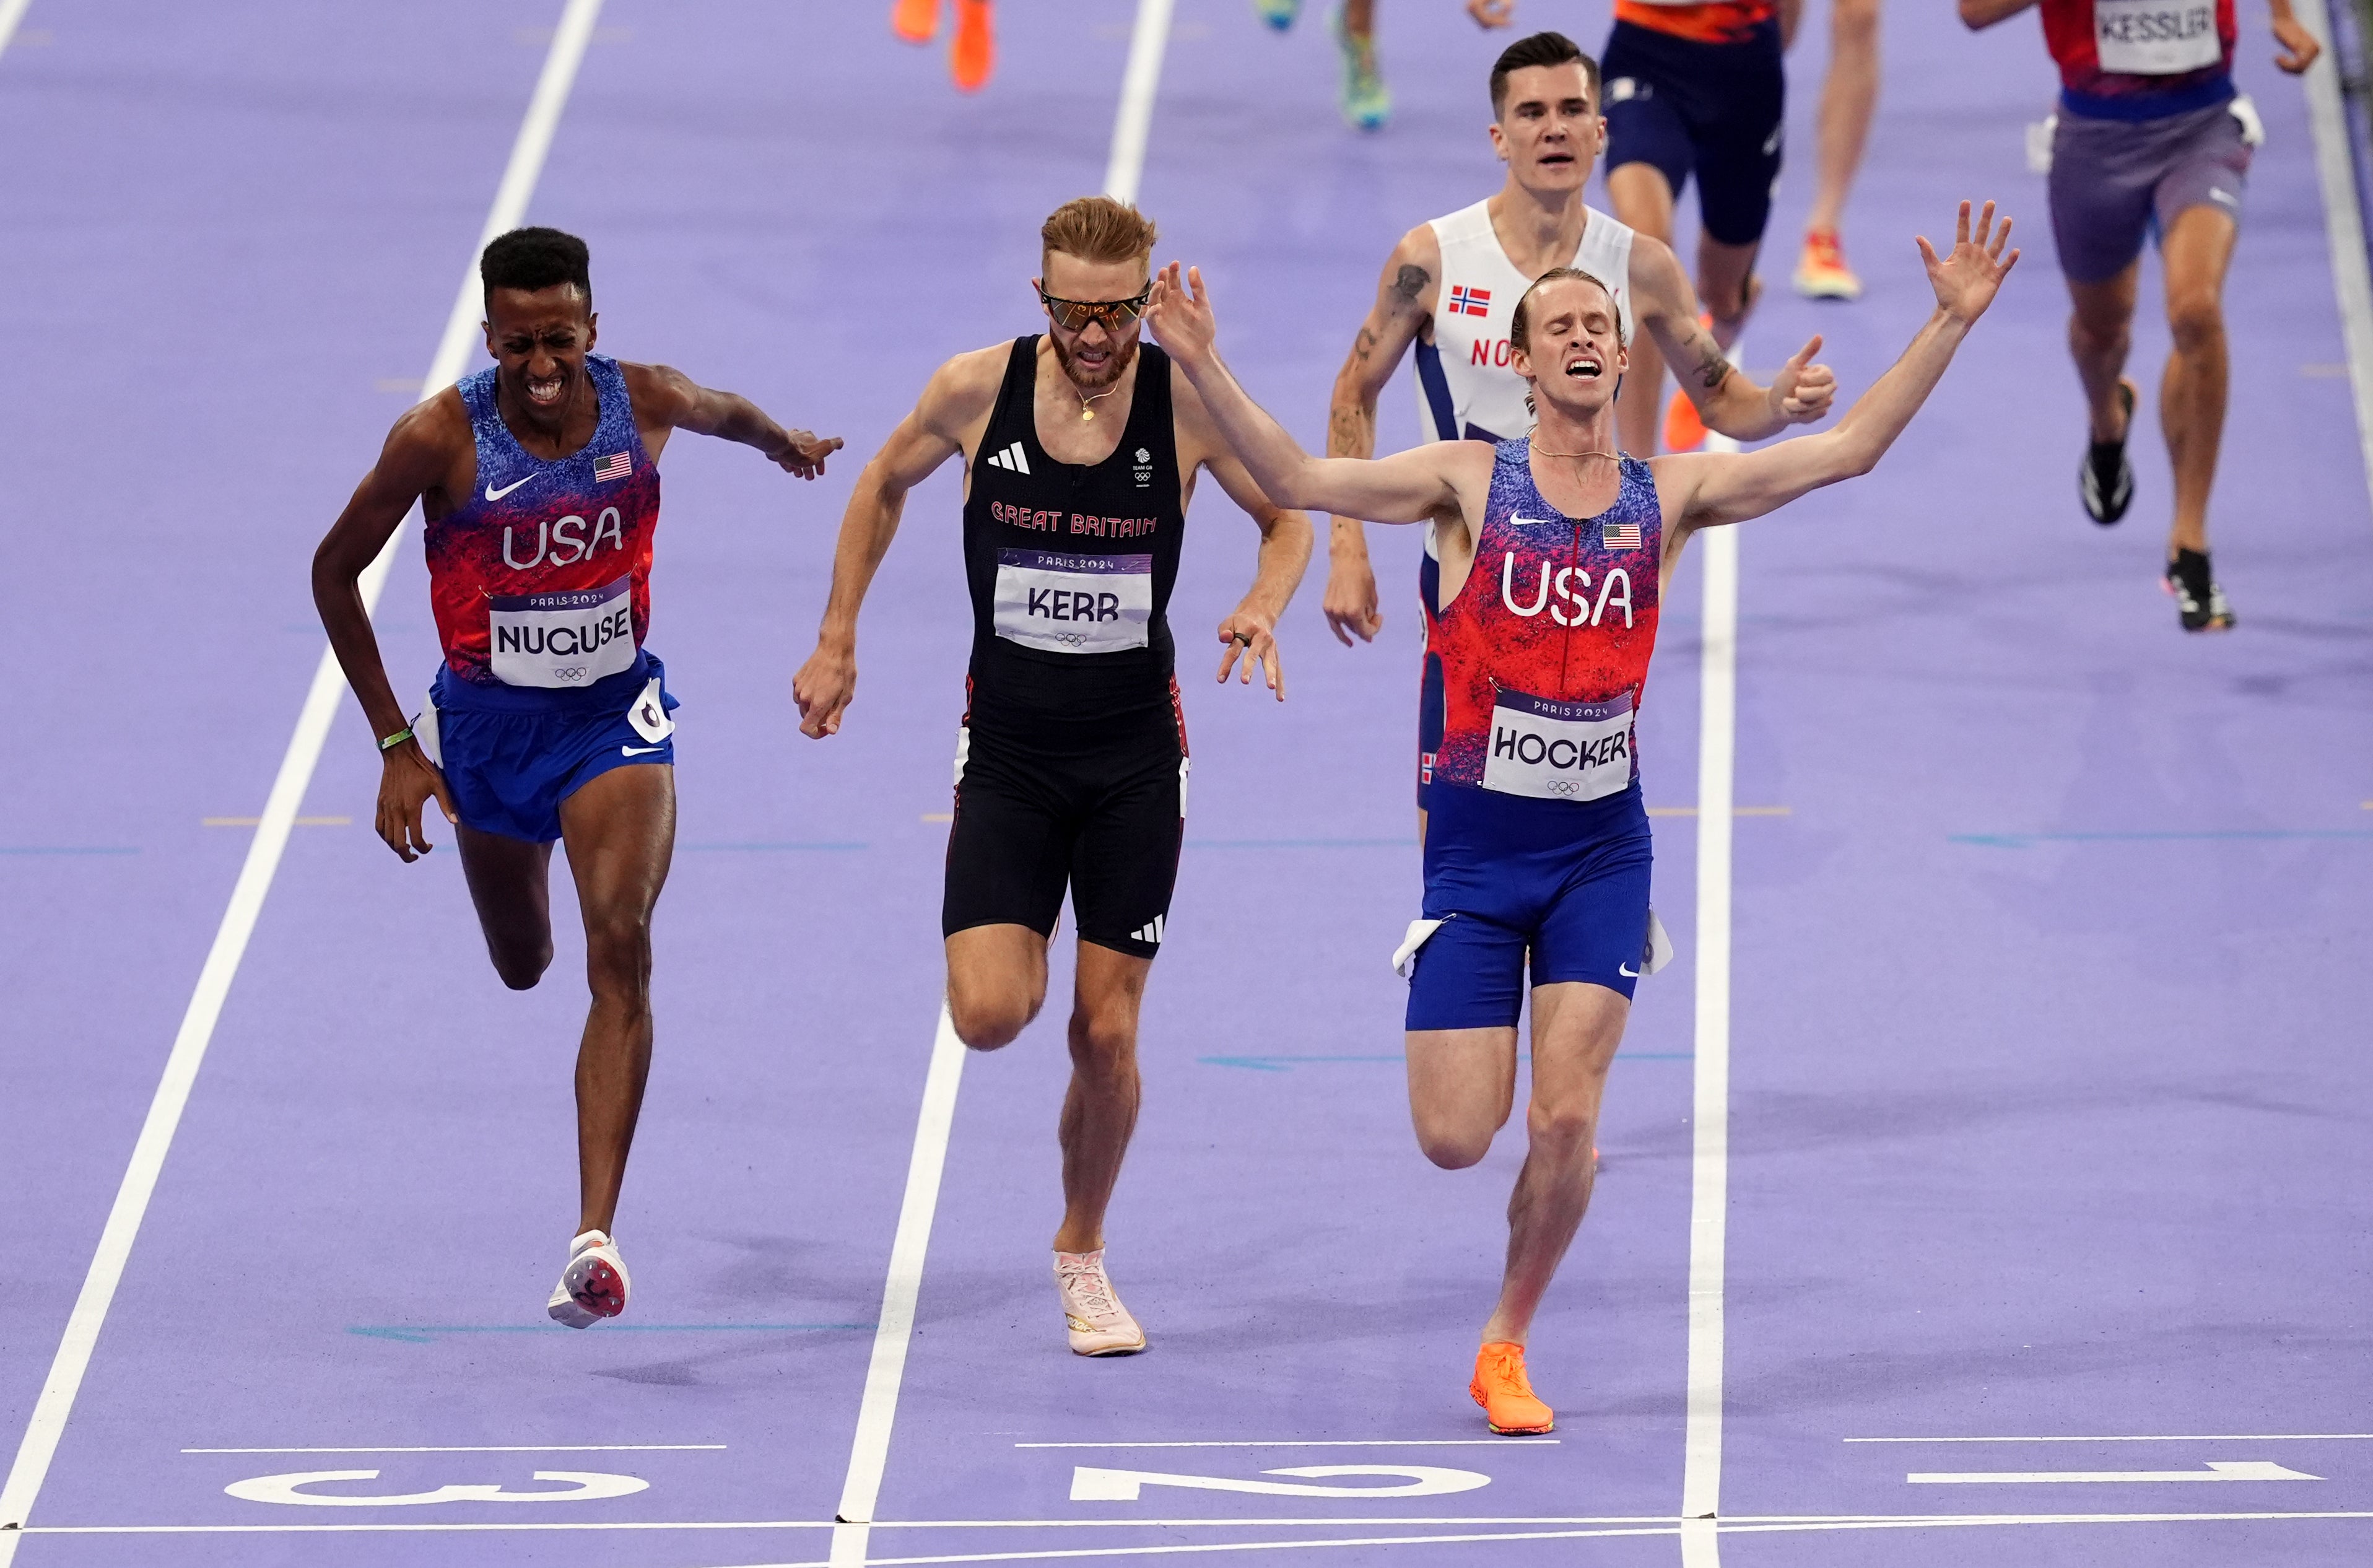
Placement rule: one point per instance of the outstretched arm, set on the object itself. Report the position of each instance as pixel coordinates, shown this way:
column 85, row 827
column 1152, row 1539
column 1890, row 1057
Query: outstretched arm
column 959, row 393
column 1977, row 14
column 1250, row 631
column 1404, row 299
column 667, row 398
column 1727, row 398
column 1701, row 489
column 1408, row 487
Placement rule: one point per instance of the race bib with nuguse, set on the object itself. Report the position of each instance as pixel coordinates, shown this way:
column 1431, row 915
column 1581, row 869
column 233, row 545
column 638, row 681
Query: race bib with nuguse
column 563, row 640
column 1558, row 751
column 1074, row 603
column 2156, row 38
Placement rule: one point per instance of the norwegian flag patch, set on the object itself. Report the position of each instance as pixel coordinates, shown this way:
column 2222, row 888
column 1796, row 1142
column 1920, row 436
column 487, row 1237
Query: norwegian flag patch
column 1618, row 535
column 1466, row 301
column 617, row 465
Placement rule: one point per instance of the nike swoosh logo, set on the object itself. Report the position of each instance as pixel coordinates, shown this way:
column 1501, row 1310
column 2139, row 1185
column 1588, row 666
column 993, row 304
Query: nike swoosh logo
column 1523, row 521
column 494, row 494
column 636, row 751
column 1627, row 974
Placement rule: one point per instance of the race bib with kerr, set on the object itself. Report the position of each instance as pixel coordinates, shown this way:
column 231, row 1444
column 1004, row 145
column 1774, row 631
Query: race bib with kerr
column 2156, row 38
column 564, row 640
column 1558, row 751
column 1074, row 603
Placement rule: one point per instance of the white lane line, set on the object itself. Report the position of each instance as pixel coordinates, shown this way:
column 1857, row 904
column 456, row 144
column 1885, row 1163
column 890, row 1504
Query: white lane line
column 32, row 1466
column 878, row 1411
column 11, row 13
column 1323, row 1442
column 1133, row 121
column 2343, row 221
column 1710, row 1156
column 495, row 1449
column 2213, row 1470
column 2259, row 1437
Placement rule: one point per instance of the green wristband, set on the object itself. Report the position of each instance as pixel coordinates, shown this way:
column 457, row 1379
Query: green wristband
column 396, row 740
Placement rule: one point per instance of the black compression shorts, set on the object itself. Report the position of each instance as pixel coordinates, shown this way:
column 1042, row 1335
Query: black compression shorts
column 1042, row 805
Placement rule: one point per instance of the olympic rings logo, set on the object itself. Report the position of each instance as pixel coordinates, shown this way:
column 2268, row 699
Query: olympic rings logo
column 1569, row 787
column 1073, row 640
column 574, row 673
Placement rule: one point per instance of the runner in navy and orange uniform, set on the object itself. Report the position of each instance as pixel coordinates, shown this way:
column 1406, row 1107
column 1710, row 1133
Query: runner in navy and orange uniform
column 1081, row 448
column 538, row 479
column 2152, row 140
column 1556, row 551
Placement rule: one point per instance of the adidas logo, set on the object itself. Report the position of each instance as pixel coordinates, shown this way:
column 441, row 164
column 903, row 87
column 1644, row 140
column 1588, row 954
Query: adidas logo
column 1010, row 459
column 1152, row 933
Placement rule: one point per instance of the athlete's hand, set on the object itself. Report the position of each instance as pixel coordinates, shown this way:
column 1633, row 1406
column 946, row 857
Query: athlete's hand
column 1350, row 601
column 2299, row 47
column 1253, row 635
column 1966, row 280
column 1180, row 311
column 823, row 687
column 1492, row 13
column 1802, row 391
column 407, row 780
column 802, row 452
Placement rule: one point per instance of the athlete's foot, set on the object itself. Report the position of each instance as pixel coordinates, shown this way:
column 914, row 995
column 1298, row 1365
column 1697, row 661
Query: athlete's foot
column 916, row 21
column 1821, row 270
column 1279, row 13
column 975, row 53
column 1366, row 103
column 2199, row 601
column 594, row 1284
column 1098, row 1324
column 1510, row 1406
column 2106, row 481
column 1684, row 431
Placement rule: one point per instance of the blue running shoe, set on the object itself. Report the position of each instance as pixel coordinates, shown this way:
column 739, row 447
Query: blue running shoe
column 1366, row 103
column 1279, row 13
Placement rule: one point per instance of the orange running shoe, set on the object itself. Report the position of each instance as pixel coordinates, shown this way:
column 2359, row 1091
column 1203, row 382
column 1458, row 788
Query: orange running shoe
column 1510, row 1407
column 916, row 21
column 1684, row 431
column 975, row 54
column 1821, row 271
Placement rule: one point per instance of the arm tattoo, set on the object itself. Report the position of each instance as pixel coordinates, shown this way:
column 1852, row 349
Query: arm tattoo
column 1411, row 283
column 1713, row 367
column 1367, row 344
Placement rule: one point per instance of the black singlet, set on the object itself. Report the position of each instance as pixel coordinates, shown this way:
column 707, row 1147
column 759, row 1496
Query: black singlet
column 1070, row 565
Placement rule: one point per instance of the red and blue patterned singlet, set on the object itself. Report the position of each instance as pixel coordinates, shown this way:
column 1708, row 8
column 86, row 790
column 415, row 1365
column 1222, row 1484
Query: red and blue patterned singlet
column 541, row 578
column 1545, row 652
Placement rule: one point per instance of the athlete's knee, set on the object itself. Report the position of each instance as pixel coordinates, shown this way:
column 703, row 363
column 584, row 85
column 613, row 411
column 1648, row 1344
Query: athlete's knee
column 2096, row 335
column 1560, row 1127
column 986, row 1020
column 519, row 964
column 1103, row 1042
column 2197, row 319
column 618, row 952
column 1453, row 1146
column 1854, row 22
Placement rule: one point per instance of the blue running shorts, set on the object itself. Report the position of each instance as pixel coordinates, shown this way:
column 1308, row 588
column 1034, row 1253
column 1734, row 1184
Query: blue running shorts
column 1712, row 110
column 1506, row 873
column 510, row 765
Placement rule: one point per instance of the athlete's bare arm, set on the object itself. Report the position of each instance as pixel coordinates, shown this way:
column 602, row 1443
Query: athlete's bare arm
column 665, row 399
column 947, row 422
column 429, row 458
column 1703, row 489
column 1406, row 296
column 1250, row 630
column 1665, row 306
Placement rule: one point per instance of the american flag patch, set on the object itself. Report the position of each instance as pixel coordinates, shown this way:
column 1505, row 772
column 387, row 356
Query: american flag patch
column 617, row 465
column 1466, row 301
column 1618, row 535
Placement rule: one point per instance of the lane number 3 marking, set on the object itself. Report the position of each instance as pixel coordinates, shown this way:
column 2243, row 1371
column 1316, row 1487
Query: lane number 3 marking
column 1092, row 1485
column 571, row 1486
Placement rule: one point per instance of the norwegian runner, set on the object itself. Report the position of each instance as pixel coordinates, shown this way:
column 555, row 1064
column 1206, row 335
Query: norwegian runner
column 538, row 480
column 1080, row 447
column 1556, row 553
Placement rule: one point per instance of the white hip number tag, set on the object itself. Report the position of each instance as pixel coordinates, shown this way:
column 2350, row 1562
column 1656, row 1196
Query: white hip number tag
column 1558, row 751
column 1074, row 603
column 564, row 640
column 2156, row 38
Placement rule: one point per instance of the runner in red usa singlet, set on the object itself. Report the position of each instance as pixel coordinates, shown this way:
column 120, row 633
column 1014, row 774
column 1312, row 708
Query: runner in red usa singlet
column 1556, row 552
column 538, row 480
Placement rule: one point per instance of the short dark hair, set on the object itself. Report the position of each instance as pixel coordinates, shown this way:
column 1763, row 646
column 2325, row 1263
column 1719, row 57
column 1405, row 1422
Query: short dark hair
column 1541, row 49
column 532, row 259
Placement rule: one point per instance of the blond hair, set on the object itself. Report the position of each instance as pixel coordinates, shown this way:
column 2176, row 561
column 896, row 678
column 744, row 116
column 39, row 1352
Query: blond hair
column 1520, row 325
column 1097, row 228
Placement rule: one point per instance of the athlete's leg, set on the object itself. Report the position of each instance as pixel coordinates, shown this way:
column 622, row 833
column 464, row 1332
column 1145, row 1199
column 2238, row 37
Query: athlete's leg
column 2100, row 332
column 620, row 833
column 1849, row 94
column 1576, row 1027
column 1727, row 283
column 1462, row 1085
column 2196, row 249
column 997, row 983
column 1100, row 1108
column 1643, row 202
column 510, row 885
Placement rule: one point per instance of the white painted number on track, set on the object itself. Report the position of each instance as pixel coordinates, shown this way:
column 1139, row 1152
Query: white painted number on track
column 2218, row 1469
column 575, row 1486
column 1092, row 1485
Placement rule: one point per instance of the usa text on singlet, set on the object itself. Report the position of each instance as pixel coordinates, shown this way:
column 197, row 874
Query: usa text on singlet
column 1070, row 565
column 541, row 578
column 1545, row 651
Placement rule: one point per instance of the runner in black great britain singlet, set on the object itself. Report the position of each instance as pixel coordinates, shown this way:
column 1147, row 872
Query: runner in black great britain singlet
column 1081, row 448
column 1556, row 552
column 538, row 481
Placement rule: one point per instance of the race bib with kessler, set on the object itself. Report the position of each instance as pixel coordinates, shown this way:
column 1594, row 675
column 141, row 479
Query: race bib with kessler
column 2156, row 38
column 1074, row 603
column 564, row 640
column 1558, row 751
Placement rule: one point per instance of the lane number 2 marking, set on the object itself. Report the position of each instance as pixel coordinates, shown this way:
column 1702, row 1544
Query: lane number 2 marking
column 573, row 1486
column 1092, row 1485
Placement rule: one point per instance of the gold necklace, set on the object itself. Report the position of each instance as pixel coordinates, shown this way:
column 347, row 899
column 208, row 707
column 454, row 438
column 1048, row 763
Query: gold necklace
column 1087, row 412
column 1546, row 452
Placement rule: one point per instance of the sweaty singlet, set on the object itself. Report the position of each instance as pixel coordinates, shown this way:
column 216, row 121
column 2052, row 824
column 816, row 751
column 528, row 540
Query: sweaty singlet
column 2141, row 59
column 541, row 578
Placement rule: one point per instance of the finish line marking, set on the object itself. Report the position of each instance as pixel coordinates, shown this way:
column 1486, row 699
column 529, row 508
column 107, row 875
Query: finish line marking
column 50, row 1411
